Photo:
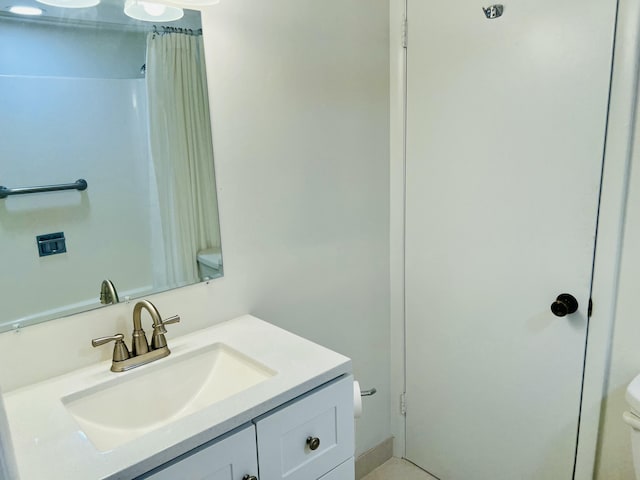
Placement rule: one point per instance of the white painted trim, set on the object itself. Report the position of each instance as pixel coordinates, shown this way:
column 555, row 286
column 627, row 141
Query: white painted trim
column 396, row 221
column 618, row 152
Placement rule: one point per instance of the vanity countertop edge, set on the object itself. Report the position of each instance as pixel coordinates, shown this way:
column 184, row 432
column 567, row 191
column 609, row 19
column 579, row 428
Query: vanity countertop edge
column 46, row 440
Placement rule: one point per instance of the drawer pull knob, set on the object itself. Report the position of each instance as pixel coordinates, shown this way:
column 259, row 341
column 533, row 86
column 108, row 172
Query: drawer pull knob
column 313, row 443
column 249, row 477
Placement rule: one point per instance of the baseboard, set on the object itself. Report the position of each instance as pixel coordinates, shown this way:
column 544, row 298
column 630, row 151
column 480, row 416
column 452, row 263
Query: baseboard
column 372, row 459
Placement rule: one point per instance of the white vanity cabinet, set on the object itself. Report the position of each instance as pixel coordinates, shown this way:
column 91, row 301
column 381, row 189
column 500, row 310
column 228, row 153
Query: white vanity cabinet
column 255, row 394
column 308, row 438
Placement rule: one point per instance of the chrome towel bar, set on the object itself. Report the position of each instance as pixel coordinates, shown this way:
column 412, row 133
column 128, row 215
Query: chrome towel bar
column 80, row 184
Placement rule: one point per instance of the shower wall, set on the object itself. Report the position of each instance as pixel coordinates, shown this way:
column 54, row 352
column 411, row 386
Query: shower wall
column 72, row 117
column 30, row 48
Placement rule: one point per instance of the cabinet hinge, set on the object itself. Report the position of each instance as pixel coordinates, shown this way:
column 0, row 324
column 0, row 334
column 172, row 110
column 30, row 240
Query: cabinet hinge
column 405, row 32
column 590, row 308
column 403, row 403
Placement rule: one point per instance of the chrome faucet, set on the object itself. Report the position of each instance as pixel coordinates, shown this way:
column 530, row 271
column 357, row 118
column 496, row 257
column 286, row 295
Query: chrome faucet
column 108, row 293
column 141, row 352
column 139, row 345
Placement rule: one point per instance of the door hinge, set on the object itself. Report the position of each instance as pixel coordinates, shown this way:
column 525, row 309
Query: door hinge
column 405, row 32
column 403, row 403
column 590, row 308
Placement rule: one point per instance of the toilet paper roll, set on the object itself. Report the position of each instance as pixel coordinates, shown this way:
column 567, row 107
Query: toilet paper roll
column 357, row 400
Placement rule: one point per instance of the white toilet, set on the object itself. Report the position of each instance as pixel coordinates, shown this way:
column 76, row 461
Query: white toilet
column 209, row 263
column 632, row 418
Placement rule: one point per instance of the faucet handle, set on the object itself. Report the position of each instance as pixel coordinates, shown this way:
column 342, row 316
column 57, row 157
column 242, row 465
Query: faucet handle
column 158, row 339
column 173, row 319
column 159, row 327
column 118, row 337
column 120, row 351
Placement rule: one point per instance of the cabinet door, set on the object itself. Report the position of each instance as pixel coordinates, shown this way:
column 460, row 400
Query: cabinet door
column 230, row 458
column 309, row 437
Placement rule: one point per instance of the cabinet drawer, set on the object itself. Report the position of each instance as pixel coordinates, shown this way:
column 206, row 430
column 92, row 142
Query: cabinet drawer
column 326, row 415
column 346, row 471
column 229, row 458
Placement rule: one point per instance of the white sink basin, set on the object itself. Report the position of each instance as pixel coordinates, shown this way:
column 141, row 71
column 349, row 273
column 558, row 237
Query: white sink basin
column 137, row 402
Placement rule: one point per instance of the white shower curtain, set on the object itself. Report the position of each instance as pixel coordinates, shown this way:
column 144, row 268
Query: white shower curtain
column 182, row 152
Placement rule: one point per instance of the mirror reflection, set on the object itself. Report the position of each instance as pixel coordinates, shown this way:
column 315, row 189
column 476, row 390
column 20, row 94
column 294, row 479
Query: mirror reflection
column 92, row 94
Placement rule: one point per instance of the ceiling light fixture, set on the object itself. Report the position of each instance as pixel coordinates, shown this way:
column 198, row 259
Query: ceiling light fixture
column 71, row 3
column 151, row 11
column 24, row 10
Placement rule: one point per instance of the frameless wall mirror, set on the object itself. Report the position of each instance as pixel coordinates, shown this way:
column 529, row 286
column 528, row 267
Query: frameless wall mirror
column 91, row 94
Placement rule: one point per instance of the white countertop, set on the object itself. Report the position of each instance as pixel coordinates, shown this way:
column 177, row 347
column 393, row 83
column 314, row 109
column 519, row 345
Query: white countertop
column 49, row 444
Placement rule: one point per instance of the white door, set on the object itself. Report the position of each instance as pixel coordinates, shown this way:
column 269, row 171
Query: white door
column 506, row 122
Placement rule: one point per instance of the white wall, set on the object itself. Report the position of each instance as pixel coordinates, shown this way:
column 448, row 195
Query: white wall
column 614, row 456
column 300, row 110
column 613, row 358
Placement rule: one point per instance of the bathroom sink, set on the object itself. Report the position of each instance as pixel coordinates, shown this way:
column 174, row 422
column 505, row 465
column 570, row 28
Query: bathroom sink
column 137, row 402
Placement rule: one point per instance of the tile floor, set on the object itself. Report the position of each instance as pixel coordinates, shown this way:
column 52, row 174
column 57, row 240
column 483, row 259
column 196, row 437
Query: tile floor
column 398, row 469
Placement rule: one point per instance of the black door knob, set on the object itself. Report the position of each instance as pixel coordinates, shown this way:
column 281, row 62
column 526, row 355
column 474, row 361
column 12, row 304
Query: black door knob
column 565, row 304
